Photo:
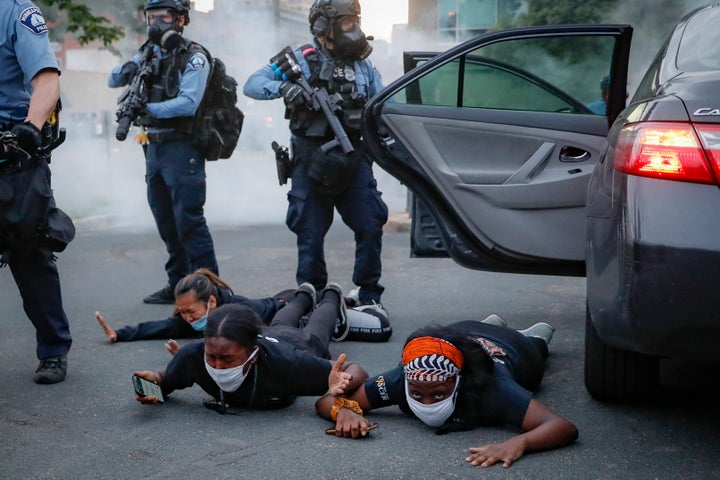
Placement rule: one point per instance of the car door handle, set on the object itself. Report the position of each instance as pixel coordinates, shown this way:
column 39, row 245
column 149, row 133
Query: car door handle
column 573, row 154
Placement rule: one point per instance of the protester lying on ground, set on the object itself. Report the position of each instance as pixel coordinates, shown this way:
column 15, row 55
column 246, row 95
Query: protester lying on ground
column 459, row 376
column 200, row 292
column 242, row 363
column 196, row 295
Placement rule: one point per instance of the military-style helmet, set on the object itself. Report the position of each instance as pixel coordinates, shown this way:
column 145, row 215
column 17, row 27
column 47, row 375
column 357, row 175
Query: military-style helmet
column 322, row 12
column 182, row 7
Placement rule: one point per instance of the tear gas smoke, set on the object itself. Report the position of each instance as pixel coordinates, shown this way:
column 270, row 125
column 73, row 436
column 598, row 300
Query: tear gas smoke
column 99, row 181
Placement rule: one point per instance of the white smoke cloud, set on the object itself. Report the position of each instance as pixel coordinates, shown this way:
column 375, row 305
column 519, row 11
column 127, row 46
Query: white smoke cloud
column 99, row 178
column 651, row 27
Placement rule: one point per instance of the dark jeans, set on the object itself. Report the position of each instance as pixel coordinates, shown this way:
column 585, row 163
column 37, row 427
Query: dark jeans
column 310, row 215
column 175, row 178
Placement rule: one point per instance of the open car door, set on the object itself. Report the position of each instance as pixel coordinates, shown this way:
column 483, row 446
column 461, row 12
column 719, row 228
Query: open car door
column 496, row 139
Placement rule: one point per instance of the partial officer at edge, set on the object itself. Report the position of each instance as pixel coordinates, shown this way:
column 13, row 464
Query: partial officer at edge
column 31, row 226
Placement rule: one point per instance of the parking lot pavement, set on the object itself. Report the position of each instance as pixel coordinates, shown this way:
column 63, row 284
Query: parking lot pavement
column 91, row 427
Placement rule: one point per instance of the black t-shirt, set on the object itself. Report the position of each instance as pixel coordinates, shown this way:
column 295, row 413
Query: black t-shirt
column 505, row 400
column 280, row 374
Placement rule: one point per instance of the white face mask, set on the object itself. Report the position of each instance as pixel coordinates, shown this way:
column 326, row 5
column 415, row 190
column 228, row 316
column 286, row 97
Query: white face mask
column 433, row 414
column 230, row 379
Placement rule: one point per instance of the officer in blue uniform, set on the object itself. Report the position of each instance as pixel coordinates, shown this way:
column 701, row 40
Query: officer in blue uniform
column 175, row 169
column 29, row 93
column 336, row 60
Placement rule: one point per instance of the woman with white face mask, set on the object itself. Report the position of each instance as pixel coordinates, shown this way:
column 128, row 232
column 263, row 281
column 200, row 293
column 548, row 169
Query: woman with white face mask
column 243, row 364
column 457, row 377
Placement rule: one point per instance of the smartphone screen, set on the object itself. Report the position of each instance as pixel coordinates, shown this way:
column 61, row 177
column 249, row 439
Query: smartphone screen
column 147, row 388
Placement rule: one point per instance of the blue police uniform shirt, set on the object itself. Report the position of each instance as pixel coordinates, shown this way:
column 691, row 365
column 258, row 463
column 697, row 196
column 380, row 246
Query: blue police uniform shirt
column 262, row 84
column 193, row 81
column 25, row 52
column 598, row 107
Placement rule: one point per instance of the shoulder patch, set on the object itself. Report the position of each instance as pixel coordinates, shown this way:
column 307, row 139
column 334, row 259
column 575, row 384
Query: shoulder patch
column 32, row 19
column 197, row 62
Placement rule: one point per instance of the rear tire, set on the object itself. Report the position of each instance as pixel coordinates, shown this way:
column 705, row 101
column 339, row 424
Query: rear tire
column 614, row 375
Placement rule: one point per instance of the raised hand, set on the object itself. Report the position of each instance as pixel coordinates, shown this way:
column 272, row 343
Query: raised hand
column 338, row 380
column 172, row 346
column 111, row 334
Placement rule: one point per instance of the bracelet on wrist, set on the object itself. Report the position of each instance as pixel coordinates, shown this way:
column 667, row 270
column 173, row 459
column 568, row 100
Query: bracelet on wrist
column 343, row 402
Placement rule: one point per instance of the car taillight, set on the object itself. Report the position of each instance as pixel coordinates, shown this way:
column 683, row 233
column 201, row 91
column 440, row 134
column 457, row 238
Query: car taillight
column 671, row 151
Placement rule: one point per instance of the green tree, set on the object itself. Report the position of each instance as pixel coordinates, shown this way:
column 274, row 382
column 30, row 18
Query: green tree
column 75, row 17
column 555, row 12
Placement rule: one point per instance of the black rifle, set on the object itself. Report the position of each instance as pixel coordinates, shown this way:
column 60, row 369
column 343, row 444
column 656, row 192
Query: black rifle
column 316, row 98
column 133, row 99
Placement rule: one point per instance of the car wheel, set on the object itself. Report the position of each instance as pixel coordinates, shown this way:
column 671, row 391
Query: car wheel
column 614, row 375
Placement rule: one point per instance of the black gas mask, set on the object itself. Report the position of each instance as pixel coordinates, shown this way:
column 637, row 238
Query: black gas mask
column 162, row 29
column 348, row 40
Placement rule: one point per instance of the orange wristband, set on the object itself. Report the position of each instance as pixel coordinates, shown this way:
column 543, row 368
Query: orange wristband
column 343, row 402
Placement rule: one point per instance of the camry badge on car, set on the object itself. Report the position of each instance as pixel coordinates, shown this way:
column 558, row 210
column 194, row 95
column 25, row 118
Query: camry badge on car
column 707, row 111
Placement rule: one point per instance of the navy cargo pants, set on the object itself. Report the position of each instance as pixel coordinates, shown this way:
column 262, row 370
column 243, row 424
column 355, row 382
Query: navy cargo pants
column 35, row 272
column 310, row 215
column 175, row 178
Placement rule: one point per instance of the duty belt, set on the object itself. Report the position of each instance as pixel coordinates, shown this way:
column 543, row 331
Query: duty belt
column 170, row 136
column 14, row 165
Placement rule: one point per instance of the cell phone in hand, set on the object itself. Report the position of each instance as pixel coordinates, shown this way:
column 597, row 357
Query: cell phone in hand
column 372, row 426
column 146, row 388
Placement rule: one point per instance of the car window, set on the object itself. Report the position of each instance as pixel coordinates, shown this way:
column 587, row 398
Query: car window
column 700, row 45
column 545, row 74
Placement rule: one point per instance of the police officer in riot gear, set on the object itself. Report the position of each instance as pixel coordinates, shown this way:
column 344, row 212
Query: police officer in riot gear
column 337, row 61
column 28, row 214
column 175, row 169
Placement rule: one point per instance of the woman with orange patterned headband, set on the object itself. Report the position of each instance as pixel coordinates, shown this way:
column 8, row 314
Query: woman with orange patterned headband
column 457, row 377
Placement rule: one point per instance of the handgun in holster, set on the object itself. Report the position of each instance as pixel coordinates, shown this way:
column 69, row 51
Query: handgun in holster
column 283, row 161
column 52, row 134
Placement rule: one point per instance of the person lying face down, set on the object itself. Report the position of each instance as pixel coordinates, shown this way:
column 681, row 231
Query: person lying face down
column 196, row 295
column 242, row 364
column 457, row 377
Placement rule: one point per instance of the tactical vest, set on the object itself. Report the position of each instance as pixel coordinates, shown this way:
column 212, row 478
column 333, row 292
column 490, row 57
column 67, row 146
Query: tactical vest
column 165, row 84
column 337, row 77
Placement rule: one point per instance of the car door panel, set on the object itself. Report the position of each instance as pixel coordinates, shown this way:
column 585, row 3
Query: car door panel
column 507, row 198
column 498, row 188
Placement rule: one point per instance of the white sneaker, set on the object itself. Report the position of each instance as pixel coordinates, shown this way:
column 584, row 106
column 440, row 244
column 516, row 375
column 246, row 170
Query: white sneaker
column 493, row 319
column 368, row 323
column 540, row 330
column 352, row 299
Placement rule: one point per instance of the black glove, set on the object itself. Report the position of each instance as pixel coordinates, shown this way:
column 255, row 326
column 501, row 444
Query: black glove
column 144, row 118
column 28, row 137
column 292, row 94
column 129, row 70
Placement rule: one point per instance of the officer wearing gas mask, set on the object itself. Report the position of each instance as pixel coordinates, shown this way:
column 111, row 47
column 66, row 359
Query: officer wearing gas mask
column 175, row 169
column 31, row 226
column 337, row 61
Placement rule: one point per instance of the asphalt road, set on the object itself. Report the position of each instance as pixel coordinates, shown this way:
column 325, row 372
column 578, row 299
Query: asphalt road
column 91, row 427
